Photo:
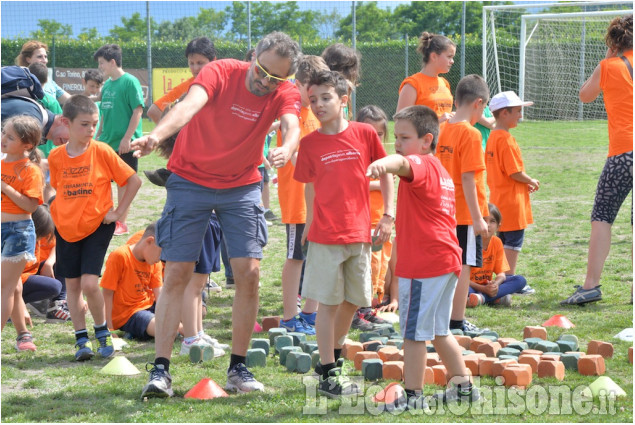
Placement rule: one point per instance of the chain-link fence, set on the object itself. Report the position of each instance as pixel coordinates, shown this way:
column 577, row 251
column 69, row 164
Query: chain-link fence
column 75, row 30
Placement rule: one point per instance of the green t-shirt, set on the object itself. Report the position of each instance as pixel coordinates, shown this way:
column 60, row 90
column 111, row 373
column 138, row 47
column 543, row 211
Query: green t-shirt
column 119, row 98
column 50, row 103
column 484, row 130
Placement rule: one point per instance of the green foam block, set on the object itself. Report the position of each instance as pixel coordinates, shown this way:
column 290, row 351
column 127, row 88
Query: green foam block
column 490, row 333
column 315, row 358
column 261, row 343
column 298, row 361
column 284, row 353
column 283, row 341
column 565, row 345
column 383, row 340
column 256, row 357
column 570, row 361
column 396, row 342
column 274, row 332
column 298, row 338
column 547, row 346
column 519, row 345
column 456, row 331
column 309, row 346
column 508, row 352
column 372, row 369
column 366, row 336
column 531, row 342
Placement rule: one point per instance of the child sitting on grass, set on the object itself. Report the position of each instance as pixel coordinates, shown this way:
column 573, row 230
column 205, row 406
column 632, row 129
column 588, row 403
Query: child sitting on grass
column 425, row 224
column 484, row 289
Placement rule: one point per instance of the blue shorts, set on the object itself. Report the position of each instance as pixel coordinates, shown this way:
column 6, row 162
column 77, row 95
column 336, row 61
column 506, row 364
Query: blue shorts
column 186, row 215
column 138, row 324
column 18, row 241
column 425, row 306
column 513, row 240
column 209, row 260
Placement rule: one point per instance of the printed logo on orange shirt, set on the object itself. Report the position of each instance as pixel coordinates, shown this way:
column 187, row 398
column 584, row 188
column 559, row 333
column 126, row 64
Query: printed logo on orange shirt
column 75, row 172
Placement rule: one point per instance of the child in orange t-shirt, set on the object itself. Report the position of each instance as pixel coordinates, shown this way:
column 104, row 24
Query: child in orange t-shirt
column 508, row 183
column 367, row 318
column 427, row 87
column 293, row 212
column 131, row 282
column 460, row 152
column 22, row 185
column 484, row 289
column 81, row 172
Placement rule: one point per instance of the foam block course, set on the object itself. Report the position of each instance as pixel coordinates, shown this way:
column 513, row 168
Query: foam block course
column 261, row 343
column 284, row 353
column 274, row 332
column 270, row 322
column 298, row 361
column 372, row 369
column 535, row 332
column 256, row 357
column 283, row 341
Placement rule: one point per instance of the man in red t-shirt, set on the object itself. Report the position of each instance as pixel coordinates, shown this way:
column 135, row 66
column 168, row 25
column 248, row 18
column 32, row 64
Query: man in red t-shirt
column 224, row 119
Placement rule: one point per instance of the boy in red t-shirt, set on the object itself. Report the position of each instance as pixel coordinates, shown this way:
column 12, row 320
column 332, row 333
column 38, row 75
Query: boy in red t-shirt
column 332, row 163
column 460, row 152
column 425, row 224
column 509, row 185
column 131, row 282
column 81, row 174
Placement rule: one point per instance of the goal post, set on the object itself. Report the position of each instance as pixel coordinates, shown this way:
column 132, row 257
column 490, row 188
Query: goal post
column 547, row 49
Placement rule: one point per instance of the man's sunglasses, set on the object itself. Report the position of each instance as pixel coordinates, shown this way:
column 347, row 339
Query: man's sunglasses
column 262, row 73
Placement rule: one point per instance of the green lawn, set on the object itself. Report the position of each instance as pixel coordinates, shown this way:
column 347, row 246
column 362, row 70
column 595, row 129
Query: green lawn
column 47, row 386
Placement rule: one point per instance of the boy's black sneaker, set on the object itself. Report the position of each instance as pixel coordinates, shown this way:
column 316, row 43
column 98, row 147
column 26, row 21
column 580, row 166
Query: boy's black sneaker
column 158, row 176
column 337, row 385
column 372, row 317
column 159, row 384
column 456, row 395
column 360, row 323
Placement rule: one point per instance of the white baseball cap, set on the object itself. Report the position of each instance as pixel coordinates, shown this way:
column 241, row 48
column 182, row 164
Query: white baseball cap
column 506, row 99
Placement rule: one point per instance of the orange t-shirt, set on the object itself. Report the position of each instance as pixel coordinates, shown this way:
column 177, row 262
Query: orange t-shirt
column 459, row 149
column 136, row 237
column 174, row 94
column 83, row 188
column 503, row 158
column 26, row 178
column 291, row 191
column 43, row 248
column 132, row 281
column 376, row 206
column 433, row 92
column 617, row 85
column 494, row 261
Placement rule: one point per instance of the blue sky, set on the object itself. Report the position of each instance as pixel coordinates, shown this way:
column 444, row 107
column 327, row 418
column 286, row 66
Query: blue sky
column 21, row 17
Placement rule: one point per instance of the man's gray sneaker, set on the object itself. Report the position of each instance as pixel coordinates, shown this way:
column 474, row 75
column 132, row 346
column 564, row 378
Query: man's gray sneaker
column 582, row 296
column 159, row 384
column 241, row 380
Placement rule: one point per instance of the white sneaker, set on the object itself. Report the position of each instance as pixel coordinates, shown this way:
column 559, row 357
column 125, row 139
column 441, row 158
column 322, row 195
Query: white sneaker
column 241, row 380
column 214, row 343
column 198, row 351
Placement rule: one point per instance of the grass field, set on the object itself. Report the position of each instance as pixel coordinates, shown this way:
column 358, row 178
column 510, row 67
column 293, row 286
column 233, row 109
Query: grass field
column 48, row 386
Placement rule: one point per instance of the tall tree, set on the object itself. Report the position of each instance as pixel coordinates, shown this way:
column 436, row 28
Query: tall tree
column 327, row 24
column 88, row 34
column 50, row 28
column 372, row 23
column 133, row 28
column 438, row 17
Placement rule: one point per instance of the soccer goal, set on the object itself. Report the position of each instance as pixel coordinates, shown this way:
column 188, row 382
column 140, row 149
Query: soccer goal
column 545, row 56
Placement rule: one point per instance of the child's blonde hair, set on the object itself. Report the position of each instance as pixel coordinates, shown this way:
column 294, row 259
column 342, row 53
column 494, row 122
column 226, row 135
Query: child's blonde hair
column 375, row 114
column 29, row 132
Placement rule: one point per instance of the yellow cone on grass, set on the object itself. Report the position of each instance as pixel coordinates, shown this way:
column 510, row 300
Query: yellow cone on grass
column 120, row 366
column 604, row 385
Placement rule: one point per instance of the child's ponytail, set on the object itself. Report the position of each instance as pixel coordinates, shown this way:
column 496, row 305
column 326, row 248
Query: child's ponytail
column 429, row 43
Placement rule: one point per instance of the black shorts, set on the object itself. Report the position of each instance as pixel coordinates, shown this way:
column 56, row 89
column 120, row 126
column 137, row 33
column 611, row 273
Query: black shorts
column 471, row 245
column 130, row 159
column 294, row 241
column 86, row 256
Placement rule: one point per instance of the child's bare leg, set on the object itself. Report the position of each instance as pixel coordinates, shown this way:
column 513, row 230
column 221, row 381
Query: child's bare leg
column 75, row 302
column 450, row 353
column 599, row 246
column 121, row 191
column 325, row 331
column 94, row 298
column 512, row 259
column 414, row 355
column 151, row 329
column 192, row 305
column 291, row 272
column 343, row 319
column 310, row 305
column 11, row 272
column 19, row 312
column 460, row 294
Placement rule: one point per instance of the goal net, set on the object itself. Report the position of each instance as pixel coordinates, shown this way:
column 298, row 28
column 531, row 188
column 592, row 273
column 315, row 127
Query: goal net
column 545, row 56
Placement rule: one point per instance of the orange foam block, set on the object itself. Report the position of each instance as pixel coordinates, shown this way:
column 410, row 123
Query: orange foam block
column 363, row 355
column 630, row 355
column 500, row 365
column 396, row 357
column 440, row 375
column 517, row 375
column 530, row 359
column 477, row 341
column 350, row 349
column 551, row 369
column 464, row 341
column 490, row 349
column 428, row 376
column 432, row 359
column 386, row 352
column 504, row 342
column 472, row 363
column 393, row 370
column 485, row 366
column 270, row 322
column 535, row 332
column 604, row 349
column 206, row 389
column 591, row 365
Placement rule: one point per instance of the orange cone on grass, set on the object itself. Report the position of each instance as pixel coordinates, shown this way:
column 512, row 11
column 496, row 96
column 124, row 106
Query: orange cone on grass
column 560, row 321
column 206, row 389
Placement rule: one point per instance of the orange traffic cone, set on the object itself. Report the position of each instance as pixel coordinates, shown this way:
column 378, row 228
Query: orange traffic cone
column 206, row 389
column 560, row 321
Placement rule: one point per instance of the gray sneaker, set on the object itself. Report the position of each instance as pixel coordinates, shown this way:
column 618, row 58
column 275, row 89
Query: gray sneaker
column 159, row 384
column 504, row 301
column 240, row 379
column 582, row 296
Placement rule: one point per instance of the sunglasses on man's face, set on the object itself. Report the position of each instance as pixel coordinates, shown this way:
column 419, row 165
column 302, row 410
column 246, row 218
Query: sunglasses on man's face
column 262, row 73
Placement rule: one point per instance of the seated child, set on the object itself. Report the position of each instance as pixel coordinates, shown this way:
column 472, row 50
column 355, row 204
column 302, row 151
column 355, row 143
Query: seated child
column 483, row 289
column 425, row 223
column 130, row 284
